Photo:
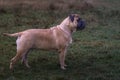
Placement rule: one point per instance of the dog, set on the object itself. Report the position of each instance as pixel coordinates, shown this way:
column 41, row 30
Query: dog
column 55, row 38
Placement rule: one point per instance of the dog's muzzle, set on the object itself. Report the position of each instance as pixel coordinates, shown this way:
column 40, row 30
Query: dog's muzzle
column 81, row 24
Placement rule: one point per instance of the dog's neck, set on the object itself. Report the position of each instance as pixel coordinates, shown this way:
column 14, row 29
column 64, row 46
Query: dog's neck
column 64, row 26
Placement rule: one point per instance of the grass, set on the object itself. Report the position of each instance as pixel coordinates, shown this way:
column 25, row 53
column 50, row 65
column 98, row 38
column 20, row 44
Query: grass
column 94, row 54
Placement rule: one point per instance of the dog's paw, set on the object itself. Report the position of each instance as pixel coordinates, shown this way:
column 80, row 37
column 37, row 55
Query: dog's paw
column 28, row 66
column 11, row 66
column 63, row 68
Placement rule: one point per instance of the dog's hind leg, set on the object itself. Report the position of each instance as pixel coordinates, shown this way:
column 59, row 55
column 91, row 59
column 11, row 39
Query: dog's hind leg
column 24, row 59
column 17, row 57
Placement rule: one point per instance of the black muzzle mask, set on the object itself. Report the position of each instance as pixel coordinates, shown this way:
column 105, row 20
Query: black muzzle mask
column 81, row 24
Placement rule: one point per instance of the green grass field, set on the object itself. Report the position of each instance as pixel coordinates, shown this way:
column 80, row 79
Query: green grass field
column 93, row 55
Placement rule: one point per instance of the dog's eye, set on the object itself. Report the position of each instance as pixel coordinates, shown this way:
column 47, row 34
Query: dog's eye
column 79, row 19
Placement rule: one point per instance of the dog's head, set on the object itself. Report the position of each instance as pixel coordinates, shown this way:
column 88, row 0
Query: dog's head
column 77, row 22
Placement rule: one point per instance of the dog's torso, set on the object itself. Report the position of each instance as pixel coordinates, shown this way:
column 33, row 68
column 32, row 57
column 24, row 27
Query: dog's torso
column 53, row 38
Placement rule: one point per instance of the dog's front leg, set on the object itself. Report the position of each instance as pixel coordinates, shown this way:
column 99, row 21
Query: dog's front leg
column 62, row 58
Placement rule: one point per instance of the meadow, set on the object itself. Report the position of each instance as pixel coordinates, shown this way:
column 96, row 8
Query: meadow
column 93, row 55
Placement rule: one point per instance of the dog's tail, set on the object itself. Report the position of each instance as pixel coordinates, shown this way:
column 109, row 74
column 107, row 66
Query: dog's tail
column 13, row 35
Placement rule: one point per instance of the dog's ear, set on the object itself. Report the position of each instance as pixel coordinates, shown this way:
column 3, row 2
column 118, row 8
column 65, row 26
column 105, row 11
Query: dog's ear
column 71, row 17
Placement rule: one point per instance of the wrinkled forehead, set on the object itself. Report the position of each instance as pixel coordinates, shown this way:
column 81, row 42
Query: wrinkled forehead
column 75, row 15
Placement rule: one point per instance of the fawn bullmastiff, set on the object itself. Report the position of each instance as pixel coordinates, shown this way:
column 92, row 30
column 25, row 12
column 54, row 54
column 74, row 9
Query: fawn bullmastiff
column 55, row 38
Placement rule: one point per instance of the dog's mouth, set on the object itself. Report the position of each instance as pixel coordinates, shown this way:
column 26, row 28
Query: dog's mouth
column 81, row 24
